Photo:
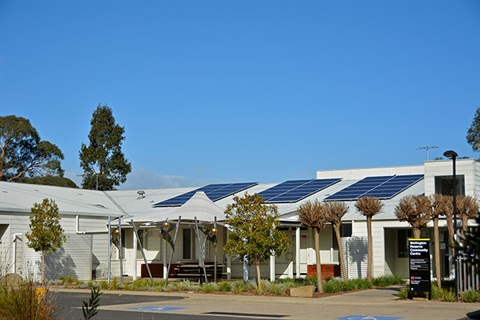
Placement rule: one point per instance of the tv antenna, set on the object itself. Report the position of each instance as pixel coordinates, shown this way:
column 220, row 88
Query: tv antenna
column 428, row 149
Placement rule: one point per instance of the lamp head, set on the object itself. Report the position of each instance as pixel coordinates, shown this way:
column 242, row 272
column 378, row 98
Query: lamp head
column 450, row 154
column 166, row 224
column 214, row 231
column 117, row 231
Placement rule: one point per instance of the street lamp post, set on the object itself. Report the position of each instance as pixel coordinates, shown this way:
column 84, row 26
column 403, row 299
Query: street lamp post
column 453, row 155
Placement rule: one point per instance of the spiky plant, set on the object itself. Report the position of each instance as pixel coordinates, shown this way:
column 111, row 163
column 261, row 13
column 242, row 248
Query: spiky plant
column 90, row 308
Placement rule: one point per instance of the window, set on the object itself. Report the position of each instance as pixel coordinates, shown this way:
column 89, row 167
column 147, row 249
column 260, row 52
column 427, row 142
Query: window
column 345, row 231
column 187, row 243
column 402, row 242
column 142, row 236
column 444, row 185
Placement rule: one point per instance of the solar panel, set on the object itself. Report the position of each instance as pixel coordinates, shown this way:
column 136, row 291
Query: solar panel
column 295, row 190
column 214, row 191
column 383, row 187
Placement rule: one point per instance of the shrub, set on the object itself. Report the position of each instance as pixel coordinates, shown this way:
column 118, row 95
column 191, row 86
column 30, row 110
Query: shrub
column 209, row 287
column 448, row 295
column 224, row 286
column 23, row 302
column 103, row 285
column 114, row 284
column 437, row 293
column 471, row 296
column 333, row 286
column 385, row 281
column 403, row 293
column 241, row 286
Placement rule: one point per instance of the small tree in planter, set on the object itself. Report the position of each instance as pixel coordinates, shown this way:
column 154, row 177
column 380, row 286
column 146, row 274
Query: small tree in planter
column 254, row 231
column 46, row 235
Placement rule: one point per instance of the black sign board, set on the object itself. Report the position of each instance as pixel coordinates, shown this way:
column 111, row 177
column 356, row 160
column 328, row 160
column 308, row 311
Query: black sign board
column 420, row 280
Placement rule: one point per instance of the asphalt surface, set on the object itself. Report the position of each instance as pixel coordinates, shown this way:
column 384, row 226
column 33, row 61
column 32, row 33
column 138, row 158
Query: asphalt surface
column 379, row 304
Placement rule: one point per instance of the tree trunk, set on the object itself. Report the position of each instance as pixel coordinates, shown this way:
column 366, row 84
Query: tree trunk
column 43, row 267
column 416, row 233
column 340, row 252
column 436, row 237
column 370, row 249
column 451, row 240
column 259, row 279
column 316, row 232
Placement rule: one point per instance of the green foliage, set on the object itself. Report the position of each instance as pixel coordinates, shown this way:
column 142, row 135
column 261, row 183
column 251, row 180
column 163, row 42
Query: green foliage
column 224, row 286
column 241, row 286
column 89, row 308
column 103, row 285
column 385, row 281
column 403, row 293
column 471, row 296
column 46, row 234
column 102, row 161
column 254, row 230
column 437, row 292
column 49, row 181
column 209, row 287
column 23, row 302
column 114, row 284
column 473, row 133
column 23, row 153
column 448, row 295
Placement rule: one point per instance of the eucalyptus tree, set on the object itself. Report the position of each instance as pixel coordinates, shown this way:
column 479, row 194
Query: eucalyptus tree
column 46, row 234
column 102, row 161
column 335, row 210
column 313, row 215
column 254, row 231
column 23, row 153
column 473, row 133
column 369, row 206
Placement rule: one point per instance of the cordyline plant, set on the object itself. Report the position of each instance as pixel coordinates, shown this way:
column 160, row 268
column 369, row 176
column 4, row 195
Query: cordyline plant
column 46, row 235
column 335, row 210
column 313, row 215
column 416, row 210
column 369, row 206
column 254, row 231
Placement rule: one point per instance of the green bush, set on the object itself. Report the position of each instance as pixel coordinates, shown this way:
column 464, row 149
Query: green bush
column 403, row 293
column 437, row 293
column 114, row 284
column 333, row 286
column 225, row 286
column 209, row 287
column 448, row 295
column 385, row 281
column 241, row 286
column 24, row 302
column 103, row 285
column 471, row 296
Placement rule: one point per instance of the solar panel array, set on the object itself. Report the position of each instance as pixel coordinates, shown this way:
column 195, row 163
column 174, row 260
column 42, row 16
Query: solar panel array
column 295, row 190
column 382, row 187
column 214, row 191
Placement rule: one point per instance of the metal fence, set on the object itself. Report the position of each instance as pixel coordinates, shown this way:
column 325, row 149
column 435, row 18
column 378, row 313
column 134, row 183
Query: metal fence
column 468, row 275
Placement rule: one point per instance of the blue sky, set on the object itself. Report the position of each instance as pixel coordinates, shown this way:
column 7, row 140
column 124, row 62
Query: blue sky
column 240, row 91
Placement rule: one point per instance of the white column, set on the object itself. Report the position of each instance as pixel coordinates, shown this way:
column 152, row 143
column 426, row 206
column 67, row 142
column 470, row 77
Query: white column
column 165, row 262
column 272, row 268
column 297, row 252
column 134, row 256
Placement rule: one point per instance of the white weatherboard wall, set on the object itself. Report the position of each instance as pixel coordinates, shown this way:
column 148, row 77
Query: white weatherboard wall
column 469, row 168
column 73, row 259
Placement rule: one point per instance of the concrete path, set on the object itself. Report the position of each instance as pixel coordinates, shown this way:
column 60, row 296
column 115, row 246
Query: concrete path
column 380, row 304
